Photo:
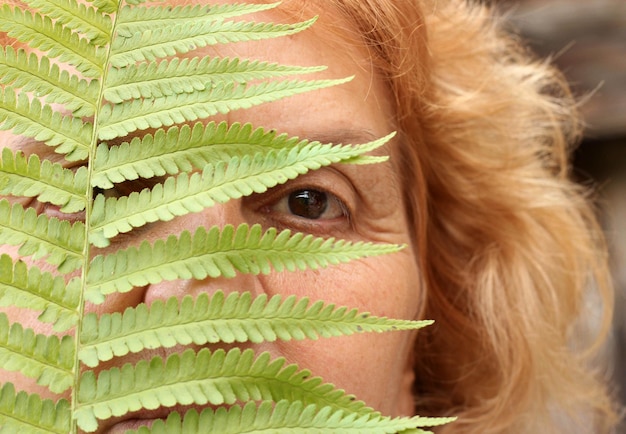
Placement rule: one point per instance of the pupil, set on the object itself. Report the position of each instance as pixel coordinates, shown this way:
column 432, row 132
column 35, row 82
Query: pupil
column 309, row 204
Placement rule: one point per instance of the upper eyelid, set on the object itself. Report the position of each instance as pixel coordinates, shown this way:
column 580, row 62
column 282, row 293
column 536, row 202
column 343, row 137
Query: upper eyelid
column 288, row 192
column 318, row 180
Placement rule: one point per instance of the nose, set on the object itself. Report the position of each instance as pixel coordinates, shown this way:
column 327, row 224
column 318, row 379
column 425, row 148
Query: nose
column 218, row 215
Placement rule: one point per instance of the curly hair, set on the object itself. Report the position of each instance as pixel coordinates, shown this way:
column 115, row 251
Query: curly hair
column 508, row 244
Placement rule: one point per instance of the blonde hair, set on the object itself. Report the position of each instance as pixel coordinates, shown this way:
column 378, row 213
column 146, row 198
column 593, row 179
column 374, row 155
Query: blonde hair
column 508, row 245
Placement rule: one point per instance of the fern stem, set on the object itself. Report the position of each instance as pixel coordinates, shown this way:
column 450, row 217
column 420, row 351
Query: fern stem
column 88, row 211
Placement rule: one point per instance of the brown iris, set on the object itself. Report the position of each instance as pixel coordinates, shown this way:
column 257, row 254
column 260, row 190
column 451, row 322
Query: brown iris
column 310, row 204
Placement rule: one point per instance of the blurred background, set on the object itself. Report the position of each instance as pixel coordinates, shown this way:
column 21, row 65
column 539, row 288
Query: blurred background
column 587, row 39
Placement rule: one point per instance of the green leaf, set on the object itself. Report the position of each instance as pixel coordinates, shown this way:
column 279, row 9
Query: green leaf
column 175, row 76
column 283, row 417
column 29, row 177
column 202, row 378
column 109, row 6
column 92, row 24
column 181, row 149
column 216, row 318
column 43, row 33
column 169, row 40
column 107, row 86
column 29, row 288
column 127, row 117
column 29, row 414
column 217, row 253
column 229, row 179
column 32, row 73
column 47, row 359
column 133, row 19
column 57, row 241
column 67, row 134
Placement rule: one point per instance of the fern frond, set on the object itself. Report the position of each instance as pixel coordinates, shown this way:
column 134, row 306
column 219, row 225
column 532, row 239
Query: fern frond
column 57, row 241
column 30, row 288
column 24, row 413
column 169, row 40
column 67, row 134
column 169, row 77
column 36, row 74
column 284, row 417
column 181, row 149
column 92, row 24
column 128, row 78
column 217, row 318
column 51, row 183
column 48, row 359
column 121, row 119
column 109, row 6
column 217, row 184
column 202, row 378
column 59, row 42
column 133, row 19
column 219, row 252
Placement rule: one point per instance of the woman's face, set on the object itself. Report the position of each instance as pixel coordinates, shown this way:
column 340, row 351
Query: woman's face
column 358, row 203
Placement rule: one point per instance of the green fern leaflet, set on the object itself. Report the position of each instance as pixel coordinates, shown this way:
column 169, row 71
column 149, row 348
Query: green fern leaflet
column 124, row 77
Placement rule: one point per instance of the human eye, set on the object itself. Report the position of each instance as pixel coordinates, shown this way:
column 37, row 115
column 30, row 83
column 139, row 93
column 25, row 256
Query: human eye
column 310, row 203
column 316, row 206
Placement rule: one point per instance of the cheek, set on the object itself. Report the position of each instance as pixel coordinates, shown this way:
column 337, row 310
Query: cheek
column 373, row 366
column 387, row 285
